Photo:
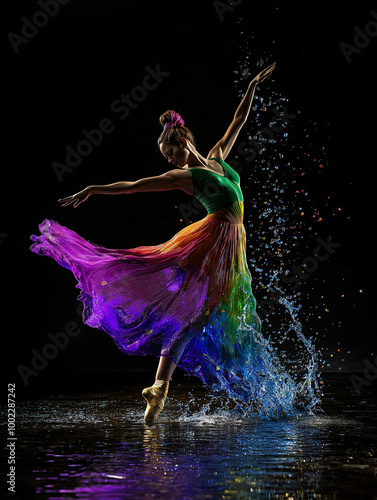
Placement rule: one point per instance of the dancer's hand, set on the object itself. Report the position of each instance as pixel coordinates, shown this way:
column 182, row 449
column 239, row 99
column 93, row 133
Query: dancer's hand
column 76, row 199
column 264, row 73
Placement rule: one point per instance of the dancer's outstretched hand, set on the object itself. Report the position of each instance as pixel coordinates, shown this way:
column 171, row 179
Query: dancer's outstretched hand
column 264, row 73
column 76, row 199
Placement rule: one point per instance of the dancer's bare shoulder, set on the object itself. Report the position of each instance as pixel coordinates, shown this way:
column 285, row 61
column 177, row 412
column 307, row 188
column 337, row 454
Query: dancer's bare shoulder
column 183, row 179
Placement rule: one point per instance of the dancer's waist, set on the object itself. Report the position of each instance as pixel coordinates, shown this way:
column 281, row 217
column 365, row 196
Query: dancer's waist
column 231, row 213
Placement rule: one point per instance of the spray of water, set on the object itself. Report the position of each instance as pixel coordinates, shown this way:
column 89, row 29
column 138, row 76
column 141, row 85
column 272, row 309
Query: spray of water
column 281, row 220
column 277, row 230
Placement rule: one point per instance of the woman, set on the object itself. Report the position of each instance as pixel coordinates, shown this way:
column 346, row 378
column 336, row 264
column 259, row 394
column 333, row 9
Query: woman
column 189, row 300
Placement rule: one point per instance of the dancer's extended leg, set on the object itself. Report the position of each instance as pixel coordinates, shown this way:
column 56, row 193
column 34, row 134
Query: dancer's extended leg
column 156, row 395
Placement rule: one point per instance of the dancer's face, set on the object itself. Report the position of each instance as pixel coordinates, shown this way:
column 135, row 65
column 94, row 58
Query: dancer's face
column 176, row 155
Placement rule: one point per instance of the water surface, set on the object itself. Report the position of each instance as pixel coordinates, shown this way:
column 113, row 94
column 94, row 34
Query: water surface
column 95, row 445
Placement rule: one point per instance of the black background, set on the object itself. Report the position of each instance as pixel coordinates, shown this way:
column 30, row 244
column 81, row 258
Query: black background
column 65, row 79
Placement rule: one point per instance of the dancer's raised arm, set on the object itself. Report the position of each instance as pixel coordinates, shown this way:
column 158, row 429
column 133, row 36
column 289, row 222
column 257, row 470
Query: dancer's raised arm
column 223, row 147
column 174, row 179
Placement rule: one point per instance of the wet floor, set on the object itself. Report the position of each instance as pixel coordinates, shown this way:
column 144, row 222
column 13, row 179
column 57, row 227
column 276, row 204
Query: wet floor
column 96, row 446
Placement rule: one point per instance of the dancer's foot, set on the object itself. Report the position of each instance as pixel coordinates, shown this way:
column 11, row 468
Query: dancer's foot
column 155, row 397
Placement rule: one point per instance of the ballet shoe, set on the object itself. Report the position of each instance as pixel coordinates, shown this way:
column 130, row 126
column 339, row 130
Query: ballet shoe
column 155, row 396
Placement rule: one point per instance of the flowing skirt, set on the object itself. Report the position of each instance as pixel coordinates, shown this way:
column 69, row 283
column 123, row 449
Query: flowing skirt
column 189, row 299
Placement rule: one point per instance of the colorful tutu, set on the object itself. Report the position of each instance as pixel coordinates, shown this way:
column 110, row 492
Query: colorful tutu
column 189, row 298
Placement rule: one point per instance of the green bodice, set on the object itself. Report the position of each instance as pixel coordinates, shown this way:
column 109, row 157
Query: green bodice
column 216, row 191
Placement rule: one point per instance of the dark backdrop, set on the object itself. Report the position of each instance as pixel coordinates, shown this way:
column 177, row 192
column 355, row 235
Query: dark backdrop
column 66, row 76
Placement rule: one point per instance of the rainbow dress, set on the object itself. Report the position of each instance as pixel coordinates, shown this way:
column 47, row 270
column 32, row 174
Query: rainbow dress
column 189, row 298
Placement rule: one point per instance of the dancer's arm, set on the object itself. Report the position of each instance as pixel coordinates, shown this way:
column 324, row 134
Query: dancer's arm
column 174, row 179
column 223, row 147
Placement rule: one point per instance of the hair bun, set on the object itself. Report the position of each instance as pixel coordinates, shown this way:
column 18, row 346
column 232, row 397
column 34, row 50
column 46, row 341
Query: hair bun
column 174, row 129
column 171, row 117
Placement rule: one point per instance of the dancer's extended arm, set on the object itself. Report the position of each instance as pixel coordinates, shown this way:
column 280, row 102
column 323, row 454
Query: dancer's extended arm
column 174, row 179
column 223, row 147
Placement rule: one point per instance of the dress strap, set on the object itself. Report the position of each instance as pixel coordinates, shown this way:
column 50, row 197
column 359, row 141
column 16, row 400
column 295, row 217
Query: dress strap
column 222, row 163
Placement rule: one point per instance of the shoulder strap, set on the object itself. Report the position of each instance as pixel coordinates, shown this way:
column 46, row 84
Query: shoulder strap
column 222, row 163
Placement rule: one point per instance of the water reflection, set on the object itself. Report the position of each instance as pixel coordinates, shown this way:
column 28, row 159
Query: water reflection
column 97, row 447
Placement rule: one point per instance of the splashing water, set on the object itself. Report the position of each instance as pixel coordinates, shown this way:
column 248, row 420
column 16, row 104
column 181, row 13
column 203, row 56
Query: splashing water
column 282, row 221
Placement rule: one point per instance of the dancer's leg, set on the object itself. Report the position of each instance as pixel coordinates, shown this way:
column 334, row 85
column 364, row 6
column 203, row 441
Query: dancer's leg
column 156, row 395
column 165, row 369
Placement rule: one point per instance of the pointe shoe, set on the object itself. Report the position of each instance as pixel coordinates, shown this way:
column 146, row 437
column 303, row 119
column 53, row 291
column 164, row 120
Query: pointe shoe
column 155, row 396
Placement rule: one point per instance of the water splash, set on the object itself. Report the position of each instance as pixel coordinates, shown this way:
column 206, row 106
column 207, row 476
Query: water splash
column 284, row 220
